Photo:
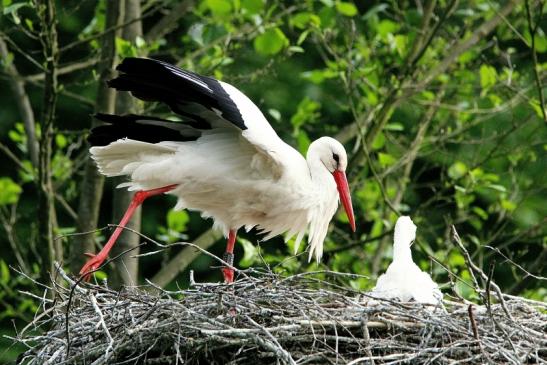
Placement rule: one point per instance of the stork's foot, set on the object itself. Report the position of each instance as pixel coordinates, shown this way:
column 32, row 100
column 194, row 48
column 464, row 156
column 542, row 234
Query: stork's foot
column 94, row 262
column 227, row 272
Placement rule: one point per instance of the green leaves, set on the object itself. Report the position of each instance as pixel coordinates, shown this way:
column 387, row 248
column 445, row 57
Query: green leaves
column 304, row 20
column 9, row 191
column 386, row 27
column 346, row 8
column 307, row 112
column 252, row 6
column 488, row 76
column 250, row 253
column 125, row 48
column 270, row 42
column 13, row 9
column 385, row 159
column 457, row 170
column 219, row 8
column 4, row 273
column 540, row 40
column 177, row 220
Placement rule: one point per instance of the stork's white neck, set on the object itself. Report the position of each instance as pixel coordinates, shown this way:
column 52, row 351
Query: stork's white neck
column 321, row 177
column 405, row 233
column 324, row 198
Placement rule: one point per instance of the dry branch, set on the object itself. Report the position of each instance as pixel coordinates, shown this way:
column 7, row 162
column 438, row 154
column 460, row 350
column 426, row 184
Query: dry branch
column 265, row 318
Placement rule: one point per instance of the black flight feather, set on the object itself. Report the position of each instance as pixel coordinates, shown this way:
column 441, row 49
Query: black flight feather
column 153, row 80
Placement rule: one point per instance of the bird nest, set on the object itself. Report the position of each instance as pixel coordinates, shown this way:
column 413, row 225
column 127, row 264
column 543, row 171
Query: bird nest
column 266, row 318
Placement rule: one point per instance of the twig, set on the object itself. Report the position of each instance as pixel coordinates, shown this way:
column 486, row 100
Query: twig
column 473, row 323
column 497, row 250
column 104, row 326
column 474, row 268
column 275, row 319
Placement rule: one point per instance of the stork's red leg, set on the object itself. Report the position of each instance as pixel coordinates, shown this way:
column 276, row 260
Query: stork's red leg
column 227, row 272
column 140, row 196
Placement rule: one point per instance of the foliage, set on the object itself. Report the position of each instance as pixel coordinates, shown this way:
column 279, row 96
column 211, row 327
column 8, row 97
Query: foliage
column 443, row 119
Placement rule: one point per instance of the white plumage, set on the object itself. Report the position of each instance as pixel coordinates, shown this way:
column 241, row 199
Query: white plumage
column 224, row 178
column 403, row 279
column 224, row 159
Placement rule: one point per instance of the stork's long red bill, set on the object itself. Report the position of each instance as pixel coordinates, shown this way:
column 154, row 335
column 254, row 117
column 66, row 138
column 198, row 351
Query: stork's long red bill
column 345, row 197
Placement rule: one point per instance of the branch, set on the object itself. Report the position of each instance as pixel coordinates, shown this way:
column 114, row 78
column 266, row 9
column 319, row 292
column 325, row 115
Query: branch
column 533, row 30
column 169, row 21
column 46, row 208
column 13, row 158
column 482, row 31
column 379, row 181
column 109, row 31
column 23, row 103
column 360, row 243
column 475, row 269
column 65, row 69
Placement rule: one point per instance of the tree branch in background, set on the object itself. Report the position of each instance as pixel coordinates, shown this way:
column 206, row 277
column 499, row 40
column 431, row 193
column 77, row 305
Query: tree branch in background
column 185, row 257
column 92, row 182
column 23, row 104
column 391, row 101
column 482, row 31
column 533, row 30
column 18, row 49
column 8, row 220
column 13, row 158
column 108, row 31
column 65, row 69
column 49, row 249
column 127, row 268
column 169, row 21
column 394, row 98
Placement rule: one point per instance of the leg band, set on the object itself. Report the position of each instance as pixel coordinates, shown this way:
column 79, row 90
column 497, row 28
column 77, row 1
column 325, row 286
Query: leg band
column 229, row 258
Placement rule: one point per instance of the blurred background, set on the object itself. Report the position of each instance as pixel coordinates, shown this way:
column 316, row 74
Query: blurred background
column 440, row 105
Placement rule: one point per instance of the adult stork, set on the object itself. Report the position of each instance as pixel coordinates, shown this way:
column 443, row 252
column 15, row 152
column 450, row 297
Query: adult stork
column 222, row 158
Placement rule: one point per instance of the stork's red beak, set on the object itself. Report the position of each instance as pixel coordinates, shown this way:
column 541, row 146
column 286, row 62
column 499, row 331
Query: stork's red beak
column 345, row 197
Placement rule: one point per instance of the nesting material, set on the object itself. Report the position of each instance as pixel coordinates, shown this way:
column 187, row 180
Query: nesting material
column 404, row 280
column 264, row 318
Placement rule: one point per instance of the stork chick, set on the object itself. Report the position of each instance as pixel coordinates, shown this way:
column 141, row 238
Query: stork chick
column 404, row 280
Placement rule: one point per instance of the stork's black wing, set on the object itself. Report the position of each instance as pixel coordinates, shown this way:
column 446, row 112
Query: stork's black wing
column 185, row 92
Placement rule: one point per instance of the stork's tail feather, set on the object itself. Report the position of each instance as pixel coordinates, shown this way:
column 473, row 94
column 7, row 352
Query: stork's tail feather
column 139, row 128
column 124, row 156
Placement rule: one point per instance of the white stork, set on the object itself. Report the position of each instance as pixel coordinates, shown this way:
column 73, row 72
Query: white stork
column 223, row 159
column 404, row 280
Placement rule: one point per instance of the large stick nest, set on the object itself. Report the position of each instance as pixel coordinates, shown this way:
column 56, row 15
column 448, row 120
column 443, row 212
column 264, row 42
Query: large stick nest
column 264, row 318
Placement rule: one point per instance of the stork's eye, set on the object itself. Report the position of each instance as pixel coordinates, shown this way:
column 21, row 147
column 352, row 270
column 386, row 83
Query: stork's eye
column 336, row 157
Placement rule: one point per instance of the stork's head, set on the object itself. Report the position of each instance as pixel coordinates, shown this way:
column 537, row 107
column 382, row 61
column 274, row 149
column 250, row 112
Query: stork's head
column 333, row 156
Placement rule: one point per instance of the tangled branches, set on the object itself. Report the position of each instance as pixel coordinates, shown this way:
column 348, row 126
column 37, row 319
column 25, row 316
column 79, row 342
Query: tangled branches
column 266, row 318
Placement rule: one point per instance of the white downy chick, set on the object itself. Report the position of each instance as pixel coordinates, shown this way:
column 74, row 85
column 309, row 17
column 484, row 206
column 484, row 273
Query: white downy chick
column 403, row 279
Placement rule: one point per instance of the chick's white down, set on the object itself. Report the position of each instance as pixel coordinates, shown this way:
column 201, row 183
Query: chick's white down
column 403, row 279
